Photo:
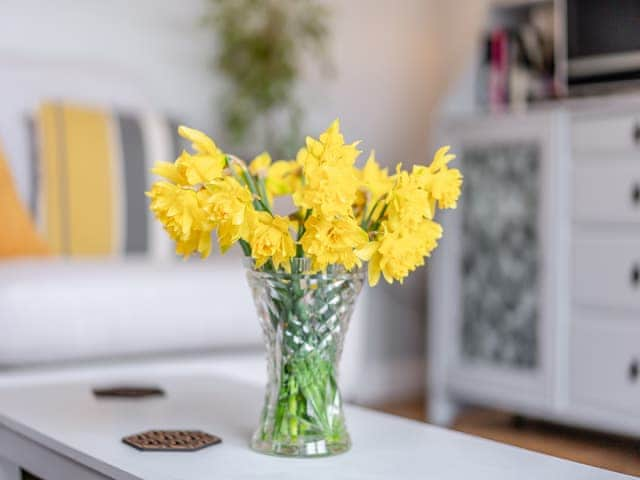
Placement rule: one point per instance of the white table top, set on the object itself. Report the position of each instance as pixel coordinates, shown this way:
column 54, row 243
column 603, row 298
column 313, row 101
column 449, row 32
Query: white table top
column 70, row 421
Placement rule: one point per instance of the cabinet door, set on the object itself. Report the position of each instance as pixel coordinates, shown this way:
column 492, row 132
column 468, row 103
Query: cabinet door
column 498, row 285
column 500, row 255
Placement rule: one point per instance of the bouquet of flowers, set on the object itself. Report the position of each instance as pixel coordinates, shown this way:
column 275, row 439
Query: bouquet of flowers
column 344, row 214
column 305, row 264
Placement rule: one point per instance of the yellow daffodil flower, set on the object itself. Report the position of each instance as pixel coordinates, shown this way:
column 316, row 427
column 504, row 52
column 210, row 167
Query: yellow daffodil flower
column 330, row 190
column 395, row 254
column 170, row 171
column 442, row 183
column 184, row 216
column 260, row 164
column 333, row 241
column 441, row 158
column 199, row 241
column 374, row 179
column 203, row 166
column 329, row 149
column 408, row 202
column 230, row 209
column 445, row 187
column 270, row 239
column 200, row 142
column 283, row 178
column 199, row 169
column 330, row 181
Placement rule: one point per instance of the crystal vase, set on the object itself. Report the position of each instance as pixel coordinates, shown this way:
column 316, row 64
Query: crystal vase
column 304, row 318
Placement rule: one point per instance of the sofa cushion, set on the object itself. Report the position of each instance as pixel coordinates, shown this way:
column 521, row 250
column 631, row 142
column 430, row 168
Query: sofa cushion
column 23, row 90
column 55, row 311
column 90, row 86
column 94, row 166
column 19, row 237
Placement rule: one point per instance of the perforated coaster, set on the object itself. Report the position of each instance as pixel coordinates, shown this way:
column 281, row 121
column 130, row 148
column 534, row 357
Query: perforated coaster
column 171, row 440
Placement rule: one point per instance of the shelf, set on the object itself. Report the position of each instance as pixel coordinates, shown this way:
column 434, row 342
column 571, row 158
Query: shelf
column 517, row 3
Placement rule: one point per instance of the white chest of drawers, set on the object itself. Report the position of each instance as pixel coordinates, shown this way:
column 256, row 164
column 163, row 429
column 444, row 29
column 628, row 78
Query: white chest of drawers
column 536, row 310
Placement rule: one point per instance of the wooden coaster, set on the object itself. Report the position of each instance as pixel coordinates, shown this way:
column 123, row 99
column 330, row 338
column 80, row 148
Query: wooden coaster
column 171, row 440
column 128, row 391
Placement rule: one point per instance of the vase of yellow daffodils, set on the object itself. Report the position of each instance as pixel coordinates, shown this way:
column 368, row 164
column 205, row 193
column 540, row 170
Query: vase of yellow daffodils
column 305, row 268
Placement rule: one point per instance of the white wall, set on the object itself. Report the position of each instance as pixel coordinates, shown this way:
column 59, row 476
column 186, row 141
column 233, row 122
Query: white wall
column 157, row 42
column 393, row 61
column 390, row 58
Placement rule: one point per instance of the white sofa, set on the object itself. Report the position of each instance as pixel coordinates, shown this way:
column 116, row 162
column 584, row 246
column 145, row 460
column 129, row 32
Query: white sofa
column 56, row 310
column 119, row 320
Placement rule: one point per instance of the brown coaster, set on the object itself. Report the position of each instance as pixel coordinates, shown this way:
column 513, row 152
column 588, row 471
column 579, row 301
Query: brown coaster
column 171, row 440
column 128, row 391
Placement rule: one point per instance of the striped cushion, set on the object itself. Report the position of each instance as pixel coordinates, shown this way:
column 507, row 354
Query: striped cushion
column 92, row 171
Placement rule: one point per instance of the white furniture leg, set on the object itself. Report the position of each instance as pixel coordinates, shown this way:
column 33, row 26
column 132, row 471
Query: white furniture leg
column 442, row 410
column 9, row 471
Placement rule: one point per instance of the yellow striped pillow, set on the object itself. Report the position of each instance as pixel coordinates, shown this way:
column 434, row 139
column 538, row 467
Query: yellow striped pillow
column 93, row 169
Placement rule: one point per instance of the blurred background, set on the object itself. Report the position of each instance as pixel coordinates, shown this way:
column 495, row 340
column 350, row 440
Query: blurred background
column 522, row 328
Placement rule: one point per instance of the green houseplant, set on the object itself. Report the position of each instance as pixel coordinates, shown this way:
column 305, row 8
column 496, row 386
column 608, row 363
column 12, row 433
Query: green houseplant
column 260, row 48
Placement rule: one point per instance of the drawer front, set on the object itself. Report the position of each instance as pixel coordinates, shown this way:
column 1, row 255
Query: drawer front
column 604, row 365
column 606, row 134
column 606, row 193
column 606, row 270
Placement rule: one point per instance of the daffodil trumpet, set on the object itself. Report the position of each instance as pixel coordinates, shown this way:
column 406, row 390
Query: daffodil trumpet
column 306, row 266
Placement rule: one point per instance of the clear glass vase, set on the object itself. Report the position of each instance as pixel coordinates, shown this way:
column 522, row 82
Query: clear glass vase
column 304, row 317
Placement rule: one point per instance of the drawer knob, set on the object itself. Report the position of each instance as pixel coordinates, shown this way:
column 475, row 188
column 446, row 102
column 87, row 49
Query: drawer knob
column 635, row 275
column 636, row 133
column 634, row 370
column 635, row 194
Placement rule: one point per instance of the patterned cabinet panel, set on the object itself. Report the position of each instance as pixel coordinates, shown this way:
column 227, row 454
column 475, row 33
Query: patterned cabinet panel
column 500, row 254
column 498, row 283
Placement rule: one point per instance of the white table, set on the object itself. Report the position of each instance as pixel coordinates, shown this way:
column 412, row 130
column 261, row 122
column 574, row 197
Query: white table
column 61, row 432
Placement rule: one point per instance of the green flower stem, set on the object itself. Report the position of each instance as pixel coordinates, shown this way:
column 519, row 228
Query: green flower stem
column 301, row 230
column 293, row 408
column 262, row 189
column 246, row 248
column 304, row 400
column 367, row 219
column 377, row 223
column 259, row 203
column 308, row 388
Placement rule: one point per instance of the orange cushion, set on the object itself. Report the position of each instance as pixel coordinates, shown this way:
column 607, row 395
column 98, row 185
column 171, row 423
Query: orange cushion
column 18, row 235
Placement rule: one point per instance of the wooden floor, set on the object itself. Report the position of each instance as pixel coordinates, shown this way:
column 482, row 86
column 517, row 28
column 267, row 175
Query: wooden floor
column 605, row 451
